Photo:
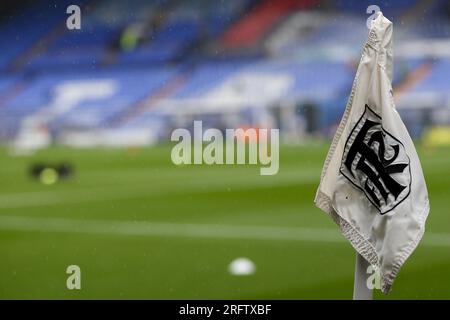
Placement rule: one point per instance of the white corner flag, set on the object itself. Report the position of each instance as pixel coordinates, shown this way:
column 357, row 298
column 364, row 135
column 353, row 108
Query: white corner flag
column 372, row 183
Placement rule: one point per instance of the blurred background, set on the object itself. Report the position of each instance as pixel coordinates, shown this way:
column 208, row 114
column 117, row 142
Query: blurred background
column 85, row 122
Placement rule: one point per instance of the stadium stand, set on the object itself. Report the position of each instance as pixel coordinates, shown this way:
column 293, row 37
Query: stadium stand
column 152, row 61
column 253, row 26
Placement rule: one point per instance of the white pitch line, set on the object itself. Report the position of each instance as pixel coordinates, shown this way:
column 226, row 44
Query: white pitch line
column 186, row 230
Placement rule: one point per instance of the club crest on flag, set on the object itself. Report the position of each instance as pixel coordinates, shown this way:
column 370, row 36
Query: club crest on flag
column 372, row 184
column 375, row 162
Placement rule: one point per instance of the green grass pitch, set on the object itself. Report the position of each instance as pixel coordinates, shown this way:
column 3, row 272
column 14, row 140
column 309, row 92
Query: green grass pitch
column 140, row 227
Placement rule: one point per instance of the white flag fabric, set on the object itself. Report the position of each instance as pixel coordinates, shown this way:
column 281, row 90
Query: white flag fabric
column 372, row 183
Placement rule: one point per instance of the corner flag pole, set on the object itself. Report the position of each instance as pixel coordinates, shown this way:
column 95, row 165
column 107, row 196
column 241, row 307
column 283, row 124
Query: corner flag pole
column 360, row 290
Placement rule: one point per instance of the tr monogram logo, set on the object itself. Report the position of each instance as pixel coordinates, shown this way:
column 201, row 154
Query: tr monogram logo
column 375, row 162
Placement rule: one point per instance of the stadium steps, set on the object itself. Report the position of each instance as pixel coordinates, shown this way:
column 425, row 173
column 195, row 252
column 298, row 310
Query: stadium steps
column 413, row 77
column 254, row 26
column 150, row 101
column 39, row 46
